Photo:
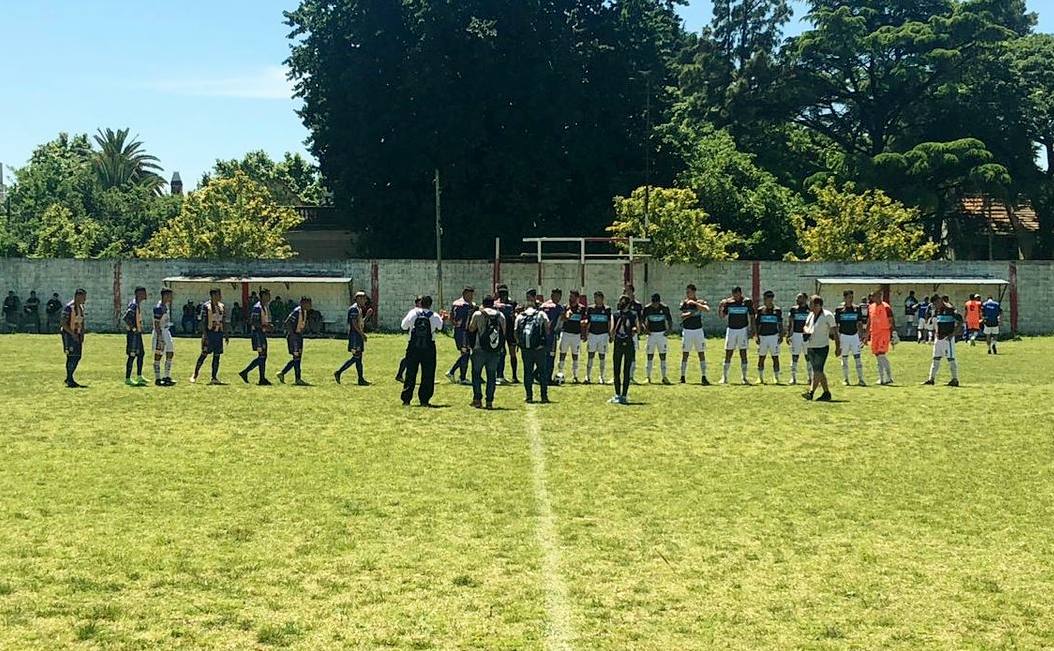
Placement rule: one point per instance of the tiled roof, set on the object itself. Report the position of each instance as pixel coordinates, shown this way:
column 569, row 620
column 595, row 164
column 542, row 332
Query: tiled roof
column 995, row 213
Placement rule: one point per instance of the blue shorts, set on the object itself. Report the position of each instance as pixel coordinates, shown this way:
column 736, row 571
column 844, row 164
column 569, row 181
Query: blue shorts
column 212, row 343
column 71, row 345
column 133, row 344
column 259, row 339
column 355, row 343
column 461, row 339
column 295, row 343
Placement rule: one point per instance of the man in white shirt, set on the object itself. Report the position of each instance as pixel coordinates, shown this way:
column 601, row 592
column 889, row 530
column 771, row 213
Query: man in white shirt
column 820, row 329
column 422, row 323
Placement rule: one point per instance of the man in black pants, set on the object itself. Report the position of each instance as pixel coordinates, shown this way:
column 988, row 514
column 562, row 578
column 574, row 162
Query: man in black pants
column 532, row 336
column 625, row 348
column 422, row 323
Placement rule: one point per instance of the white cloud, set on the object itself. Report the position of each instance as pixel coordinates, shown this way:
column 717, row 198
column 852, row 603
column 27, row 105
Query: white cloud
column 267, row 83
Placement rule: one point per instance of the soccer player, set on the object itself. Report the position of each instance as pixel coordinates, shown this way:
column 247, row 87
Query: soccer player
column 460, row 312
column 72, row 329
column 850, row 331
column 692, row 336
column 739, row 312
column 992, row 312
column 949, row 325
column 624, row 334
column 571, row 335
column 638, row 309
column 820, row 328
column 161, row 341
column 598, row 334
column 972, row 311
column 924, row 312
column 880, row 328
column 553, row 311
column 659, row 322
column 356, row 339
column 769, row 320
column 422, row 323
column 213, row 336
column 509, row 309
column 295, row 326
column 260, row 324
column 133, row 345
column 531, row 331
column 795, row 335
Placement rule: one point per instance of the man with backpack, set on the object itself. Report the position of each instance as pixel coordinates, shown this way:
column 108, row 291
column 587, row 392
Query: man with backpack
column 486, row 336
column 532, row 336
column 422, row 323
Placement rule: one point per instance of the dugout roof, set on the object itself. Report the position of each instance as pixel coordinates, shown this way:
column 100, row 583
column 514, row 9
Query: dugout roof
column 909, row 280
column 273, row 280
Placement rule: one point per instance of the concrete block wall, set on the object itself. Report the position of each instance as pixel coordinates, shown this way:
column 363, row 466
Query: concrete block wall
column 394, row 283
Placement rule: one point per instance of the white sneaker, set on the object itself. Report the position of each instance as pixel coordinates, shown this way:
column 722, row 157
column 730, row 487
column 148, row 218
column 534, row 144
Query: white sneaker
column 614, row 400
column 793, row 381
column 193, row 379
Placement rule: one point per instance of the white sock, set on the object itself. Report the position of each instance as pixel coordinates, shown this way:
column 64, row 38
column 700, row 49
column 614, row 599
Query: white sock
column 168, row 367
column 649, row 366
column 845, row 368
column 560, row 365
column 954, row 365
column 743, row 367
column 724, row 372
column 859, row 368
column 574, row 366
column 934, row 368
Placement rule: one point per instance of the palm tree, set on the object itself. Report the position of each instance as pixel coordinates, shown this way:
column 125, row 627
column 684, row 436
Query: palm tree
column 120, row 162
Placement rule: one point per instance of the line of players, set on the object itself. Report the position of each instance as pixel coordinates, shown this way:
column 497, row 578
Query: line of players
column 214, row 322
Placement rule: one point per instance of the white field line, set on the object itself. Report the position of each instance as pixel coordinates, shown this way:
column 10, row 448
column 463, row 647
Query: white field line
column 558, row 633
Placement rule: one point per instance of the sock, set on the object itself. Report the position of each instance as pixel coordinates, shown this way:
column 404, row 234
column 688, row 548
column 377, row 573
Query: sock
column 157, row 369
column 288, row 367
column 128, row 368
column 168, row 367
column 954, row 365
column 794, row 368
column 633, row 369
column 560, row 365
column 589, row 367
column 724, row 374
column 346, row 366
column 513, row 363
column 845, row 368
column 603, row 358
column 684, row 367
column 215, row 366
column 934, row 368
column 574, row 366
column 263, row 368
column 859, row 368
column 139, row 365
column 649, row 366
column 358, row 367
column 197, row 366
column 761, row 373
column 662, row 367
column 69, row 369
column 296, row 368
column 702, row 367
column 776, row 370
column 743, row 368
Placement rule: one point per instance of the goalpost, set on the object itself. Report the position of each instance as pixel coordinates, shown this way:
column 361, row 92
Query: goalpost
column 581, row 259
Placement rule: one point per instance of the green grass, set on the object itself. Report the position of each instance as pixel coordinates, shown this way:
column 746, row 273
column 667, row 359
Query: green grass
column 331, row 517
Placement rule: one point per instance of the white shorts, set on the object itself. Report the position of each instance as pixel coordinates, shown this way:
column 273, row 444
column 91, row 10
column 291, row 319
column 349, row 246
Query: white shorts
column 657, row 343
column 922, row 324
column 944, row 348
column 797, row 343
column 930, row 325
column 693, row 340
column 165, row 344
column 570, row 343
column 991, row 330
column 850, row 345
column 770, row 345
column 737, row 339
column 598, row 343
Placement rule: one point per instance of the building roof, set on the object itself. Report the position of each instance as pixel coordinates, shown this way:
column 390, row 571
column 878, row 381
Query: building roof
column 995, row 213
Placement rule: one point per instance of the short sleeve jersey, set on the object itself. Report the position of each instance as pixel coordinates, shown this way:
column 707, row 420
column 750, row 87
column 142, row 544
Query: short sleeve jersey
column 973, row 313
column 74, row 316
column 133, row 317
column 768, row 320
column 460, row 313
column 991, row 310
column 880, row 315
column 799, row 314
column 162, row 316
column 947, row 318
column 599, row 319
column 923, row 310
column 911, row 304
column 848, row 319
column 573, row 319
column 624, row 324
column 260, row 317
column 657, row 317
column 739, row 313
column 353, row 316
column 552, row 310
column 214, row 316
column 695, row 319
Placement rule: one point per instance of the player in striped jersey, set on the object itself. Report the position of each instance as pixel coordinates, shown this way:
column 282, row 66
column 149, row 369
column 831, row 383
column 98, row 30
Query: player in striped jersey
column 133, row 348
column 356, row 339
column 161, row 341
column 72, row 329
column 260, row 325
column 799, row 314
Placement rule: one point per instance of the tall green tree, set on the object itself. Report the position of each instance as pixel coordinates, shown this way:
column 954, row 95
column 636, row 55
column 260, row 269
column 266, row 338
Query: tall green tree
column 119, row 162
column 292, row 181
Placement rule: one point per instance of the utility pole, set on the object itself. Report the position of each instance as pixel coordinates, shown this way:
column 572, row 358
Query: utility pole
column 439, row 243
column 647, row 152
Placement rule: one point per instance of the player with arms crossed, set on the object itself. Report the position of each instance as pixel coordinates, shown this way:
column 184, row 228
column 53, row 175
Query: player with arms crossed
column 659, row 322
column 692, row 335
column 880, row 333
column 571, row 335
column 161, row 340
column 769, row 320
column 739, row 312
column 850, row 332
column 795, row 335
column 598, row 334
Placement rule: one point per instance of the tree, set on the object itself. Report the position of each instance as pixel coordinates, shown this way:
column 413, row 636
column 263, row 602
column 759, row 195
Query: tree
column 292, row 181
column 844, row 226
column 232, row 218
column 61, row 235
column 120, row 162
column 679, row 229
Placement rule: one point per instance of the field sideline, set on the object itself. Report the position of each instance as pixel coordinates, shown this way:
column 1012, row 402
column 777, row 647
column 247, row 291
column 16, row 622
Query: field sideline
column 331, row 517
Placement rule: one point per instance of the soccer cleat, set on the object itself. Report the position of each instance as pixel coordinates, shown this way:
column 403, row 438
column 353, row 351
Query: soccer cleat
column 587, row 381
column 336, row 376
column 807, row 395
column 666, row 381
column 193, row 379
column 490, row 405
column 500, row 381
column 363, row 383
column 623, row 400
column 281, row 377
column 954, row 383
column 130, row 382
column 300, row 383
column 761, row 380
column 994, row 350
column 169, row 382
column 746, row 382
column 602, row 380
column 466, row 383
column 614, row 400
column 575, row 381
column 477, row 404
column 545, row 401
column 159, row 383
column 264, row 383
column 682, row 379
column 216, row 382
column 705, row 382
column 845, row 383
column 244, row 376
column 450, row 376
column 861, row 383
column 793, row 381
column 529, row 401
column 824, row 397
column 141, row 381
column 930, row 382
column 514, row 380
column 398, row 378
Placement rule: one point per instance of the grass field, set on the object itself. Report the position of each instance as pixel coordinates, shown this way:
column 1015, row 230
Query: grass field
column 331, row 517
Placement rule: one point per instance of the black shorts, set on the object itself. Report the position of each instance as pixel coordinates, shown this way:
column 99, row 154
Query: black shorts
column 817, row 357
column 355, row 343
column 259, row 339
column 295, row 343
column 71, row 345
column 133, row 344
column 212, row 343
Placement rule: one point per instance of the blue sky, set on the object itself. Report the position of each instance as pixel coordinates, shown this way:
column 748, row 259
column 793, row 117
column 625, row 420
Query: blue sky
column 196, row 80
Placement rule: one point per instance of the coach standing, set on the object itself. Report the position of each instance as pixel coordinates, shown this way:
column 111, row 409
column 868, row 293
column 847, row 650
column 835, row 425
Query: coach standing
column 422, row 323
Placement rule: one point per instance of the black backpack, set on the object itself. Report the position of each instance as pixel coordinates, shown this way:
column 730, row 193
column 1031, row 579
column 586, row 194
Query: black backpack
column 421, row 331
column 531, row 331
column 492, row 340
